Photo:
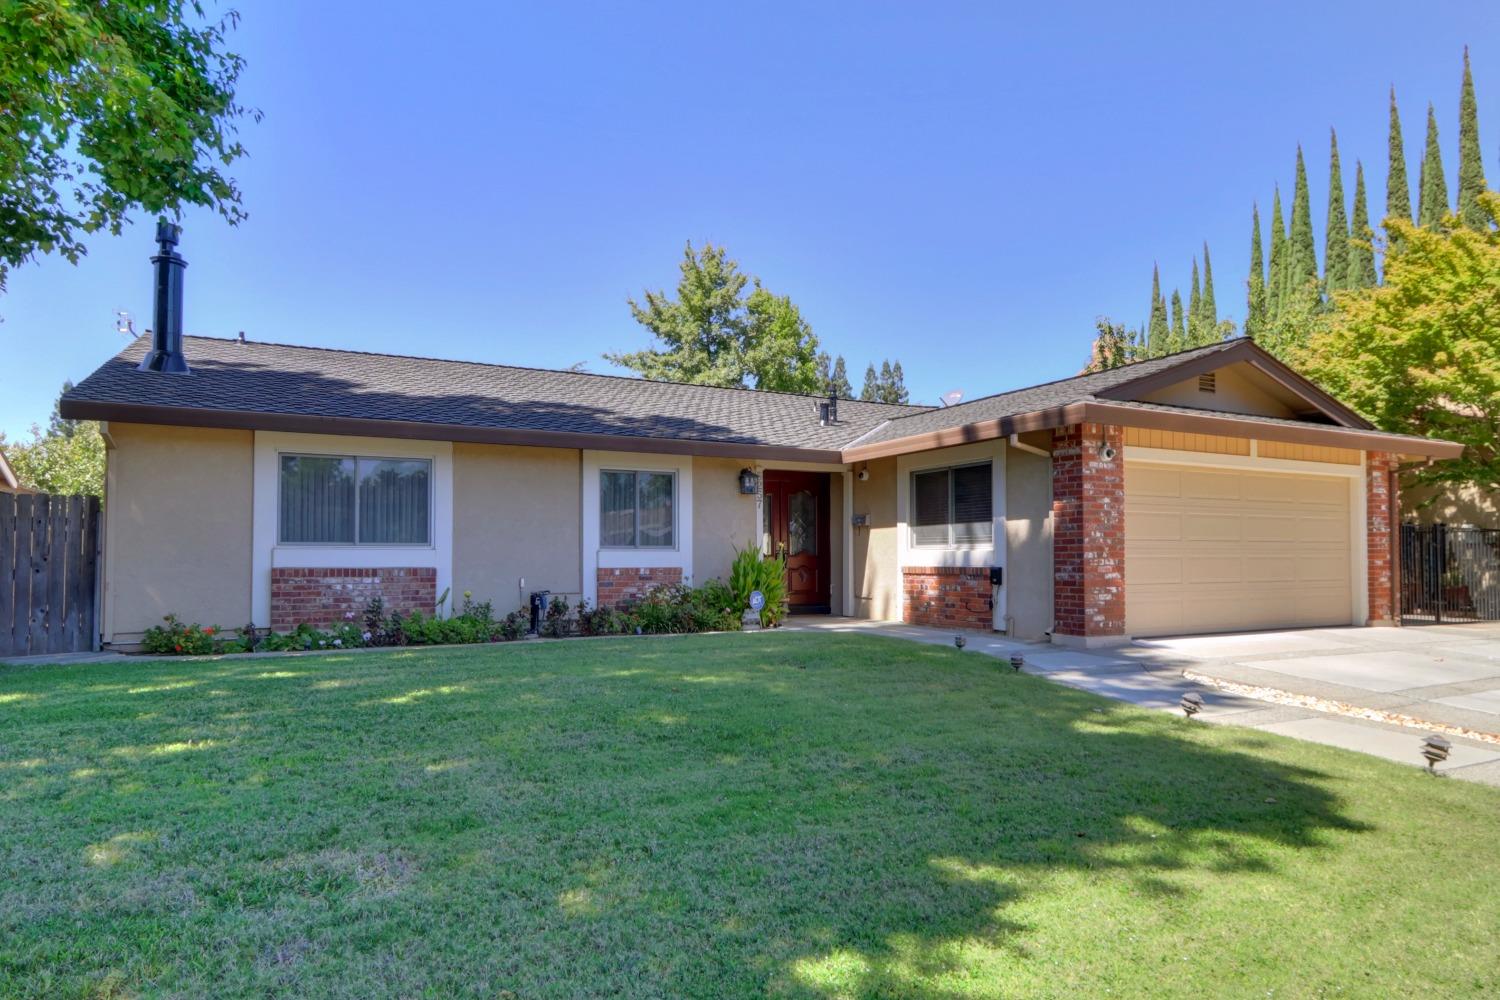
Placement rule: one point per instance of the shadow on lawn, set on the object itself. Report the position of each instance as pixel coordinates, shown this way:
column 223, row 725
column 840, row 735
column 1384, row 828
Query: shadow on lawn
column 820, row 826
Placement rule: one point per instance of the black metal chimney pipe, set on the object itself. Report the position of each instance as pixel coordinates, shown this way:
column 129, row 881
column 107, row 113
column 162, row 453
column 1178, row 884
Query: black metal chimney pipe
column 166, row 326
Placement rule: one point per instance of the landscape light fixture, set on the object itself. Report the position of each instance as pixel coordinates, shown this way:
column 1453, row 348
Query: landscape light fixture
column 1017, row 662
column 1435, row 748
column 960, row 641
column 1192, row 704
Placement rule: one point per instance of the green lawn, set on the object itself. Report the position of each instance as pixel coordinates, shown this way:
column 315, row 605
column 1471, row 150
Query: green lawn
column 712, row 816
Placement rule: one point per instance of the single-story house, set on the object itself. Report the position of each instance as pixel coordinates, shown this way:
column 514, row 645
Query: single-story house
column 1212, row 490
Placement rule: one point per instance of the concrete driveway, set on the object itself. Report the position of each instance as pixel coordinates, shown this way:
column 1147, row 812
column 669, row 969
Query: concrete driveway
column 1377, row 691
column 1447, row 674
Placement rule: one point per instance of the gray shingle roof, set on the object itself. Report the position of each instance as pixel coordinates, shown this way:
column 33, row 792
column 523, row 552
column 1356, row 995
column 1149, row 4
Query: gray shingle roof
column 266, row 378
column 1078, row 389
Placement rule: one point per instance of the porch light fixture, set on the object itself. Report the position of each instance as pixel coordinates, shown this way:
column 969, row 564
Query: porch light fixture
column 1435, row 748
column 748, row 481
column 1192, row 704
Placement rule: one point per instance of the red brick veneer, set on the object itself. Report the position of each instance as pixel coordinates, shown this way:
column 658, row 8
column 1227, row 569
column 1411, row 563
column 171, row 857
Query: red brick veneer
column 617, row 587
column 322, row 597
column 1088, row 525
column 947, row 597
column 1381, row 510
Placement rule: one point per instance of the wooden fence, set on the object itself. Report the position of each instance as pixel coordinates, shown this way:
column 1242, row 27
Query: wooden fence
column 49, row 557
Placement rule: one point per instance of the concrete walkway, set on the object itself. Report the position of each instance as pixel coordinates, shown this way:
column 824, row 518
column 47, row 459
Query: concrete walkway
column 1151, row 674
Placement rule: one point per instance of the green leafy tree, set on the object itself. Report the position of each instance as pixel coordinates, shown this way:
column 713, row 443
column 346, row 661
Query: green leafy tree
column 713, row 333
column 1362, row 245
column 67, row 457
column 1194, row 310
column 1255, row 302
column 1397, row 192
column 1470, row 161
column 1276, row 280
column 1302, row 254
column 1158, row 333
column 1114, row 345
column 1432, row 188
column 1336, row 237
column 1208, row 304
column 106, row 108
column 1179, row 324
column 896, row 385
column 1420, row 354
column 835, row 376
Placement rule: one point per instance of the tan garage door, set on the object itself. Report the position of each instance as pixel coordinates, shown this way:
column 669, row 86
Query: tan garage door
column 1210, row 550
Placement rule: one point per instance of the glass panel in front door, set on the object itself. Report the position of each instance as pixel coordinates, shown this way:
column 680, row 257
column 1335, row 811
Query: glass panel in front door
column 802, row 523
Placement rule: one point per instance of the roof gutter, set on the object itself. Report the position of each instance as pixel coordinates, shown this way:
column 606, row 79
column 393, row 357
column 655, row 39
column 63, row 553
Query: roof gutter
column 190, row 416
column 1121, row 415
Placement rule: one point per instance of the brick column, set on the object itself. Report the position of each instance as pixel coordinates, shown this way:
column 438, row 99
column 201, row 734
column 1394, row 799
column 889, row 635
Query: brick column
column 1088, row 535
column 1382, row 505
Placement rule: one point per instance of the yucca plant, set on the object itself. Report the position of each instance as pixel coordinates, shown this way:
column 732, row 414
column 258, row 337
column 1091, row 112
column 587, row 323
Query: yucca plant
column 752, row 571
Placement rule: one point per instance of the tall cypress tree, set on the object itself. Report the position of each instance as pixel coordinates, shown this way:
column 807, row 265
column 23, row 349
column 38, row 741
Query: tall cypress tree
column 1397, row 192
column 871, row 390
column 838, row 382
column 1179, row 323
column 1336, row 237
column 1194, row 310
column 1276, row 279
column 1432, row 189
column 1157, row 331
column 1362, row 247
column 1302, row 252
column 1255, row 303
column 1209, row 306
column 1470, row 162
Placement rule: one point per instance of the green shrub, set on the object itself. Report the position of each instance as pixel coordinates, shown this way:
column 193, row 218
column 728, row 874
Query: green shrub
column 557, row 625
column 514, row 626
column 752, row 571
column 177, row 639
column 601, row 621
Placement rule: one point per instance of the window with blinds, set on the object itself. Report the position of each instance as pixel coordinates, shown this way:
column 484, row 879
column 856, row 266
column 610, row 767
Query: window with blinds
column 637, row 510
column 952, row 507
column 349, row 500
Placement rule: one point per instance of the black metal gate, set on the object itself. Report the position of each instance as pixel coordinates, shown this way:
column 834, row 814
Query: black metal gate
column 1450, row 574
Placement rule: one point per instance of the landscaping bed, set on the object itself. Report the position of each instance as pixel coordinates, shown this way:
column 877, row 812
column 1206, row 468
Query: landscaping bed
column 784, row 814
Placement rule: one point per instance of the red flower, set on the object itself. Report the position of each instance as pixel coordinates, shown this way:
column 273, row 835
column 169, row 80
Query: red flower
column 178, row 647
column 209, row 630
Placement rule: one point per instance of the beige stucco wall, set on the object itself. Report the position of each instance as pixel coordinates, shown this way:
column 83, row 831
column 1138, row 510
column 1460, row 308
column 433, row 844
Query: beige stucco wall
column 177, row 522
column 723, row 517
column 877, row 573
column 1028, row 541
column 1454, row 505
column 516, row 515
column 1236, row 392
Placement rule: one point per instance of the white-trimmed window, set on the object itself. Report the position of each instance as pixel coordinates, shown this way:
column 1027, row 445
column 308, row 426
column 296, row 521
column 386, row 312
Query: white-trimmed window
column 953, row 506
column 637, row 510
column 353, row 500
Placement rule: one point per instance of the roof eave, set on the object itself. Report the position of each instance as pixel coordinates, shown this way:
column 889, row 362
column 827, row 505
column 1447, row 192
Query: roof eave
column 1258, row 357
column 1118, row 414
column 185, row 416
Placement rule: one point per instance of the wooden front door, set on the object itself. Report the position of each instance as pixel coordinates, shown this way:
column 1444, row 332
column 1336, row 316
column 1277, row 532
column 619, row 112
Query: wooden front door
column 796, row 516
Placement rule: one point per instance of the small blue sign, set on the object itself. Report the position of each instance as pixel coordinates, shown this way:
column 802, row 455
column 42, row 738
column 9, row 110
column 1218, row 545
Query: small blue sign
column 757, row 600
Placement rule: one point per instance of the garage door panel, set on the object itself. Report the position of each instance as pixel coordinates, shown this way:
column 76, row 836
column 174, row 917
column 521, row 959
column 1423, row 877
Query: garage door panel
column 1231, row 550
column 1210, row 486
column 1152, row 481
column 1156, row 525
column 1210, row 528
column 1270, row 528
column 1155, row 570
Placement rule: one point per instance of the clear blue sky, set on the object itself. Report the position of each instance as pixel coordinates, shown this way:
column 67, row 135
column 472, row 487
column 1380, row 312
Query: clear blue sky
column 959, row 187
